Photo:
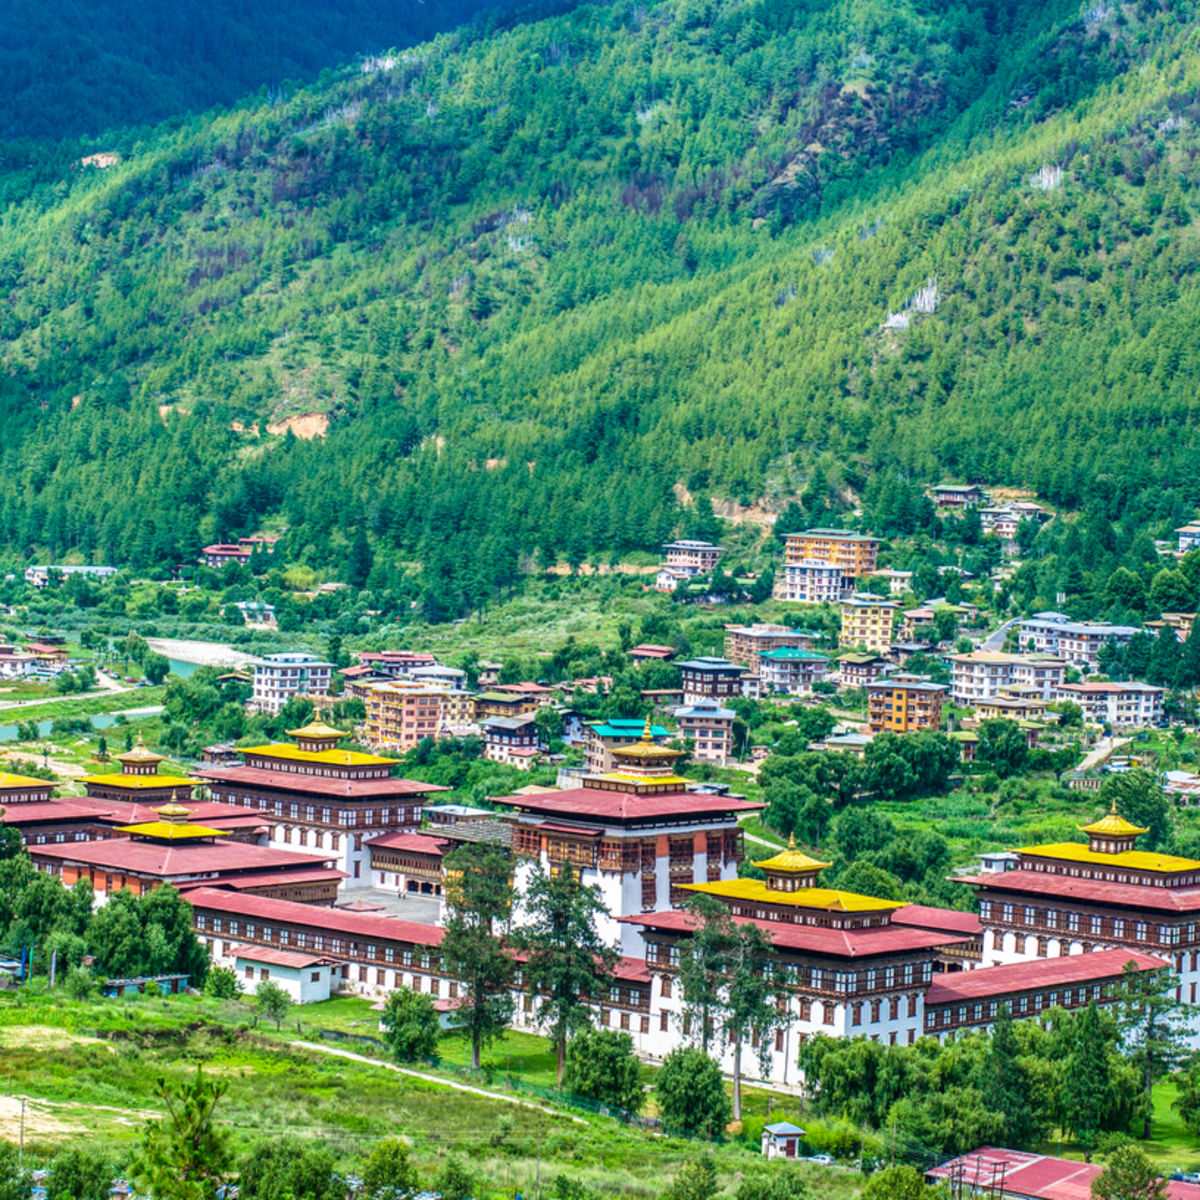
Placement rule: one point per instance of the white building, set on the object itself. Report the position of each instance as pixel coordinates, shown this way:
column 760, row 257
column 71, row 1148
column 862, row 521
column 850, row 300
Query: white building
column 1078, row 642
column 710, row 729
column 279, row 677
column 789, row 672
column 812, row 582
column 982, row 674
column 1189, row 537
column 307, row 978
column 40, row 576
column 1121, row 705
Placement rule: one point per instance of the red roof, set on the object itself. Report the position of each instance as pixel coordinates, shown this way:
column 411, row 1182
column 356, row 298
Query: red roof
column 313, row 916
column 1098, row 891
column 296, row 959
column 289, row 875
column 226, row 548
column 413, row 657
column 172, row 861
column 421, row 843
column 36, row 812
column 626, row 806
column 632, row 970
column 814, row 939
column 357, row 672
column 1014, row 978
column 290, row 781
column 576, row 830
column 44, row 648
column 924, row 916
column 650, row 650
column 1037, row 1176
column 524, row 689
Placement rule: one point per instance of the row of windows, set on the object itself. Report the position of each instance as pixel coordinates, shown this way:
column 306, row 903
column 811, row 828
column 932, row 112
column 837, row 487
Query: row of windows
column 1075, row 922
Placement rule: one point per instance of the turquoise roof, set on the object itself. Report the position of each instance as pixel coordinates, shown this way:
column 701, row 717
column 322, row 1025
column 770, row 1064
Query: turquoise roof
column 622, row 727
column 786, row 652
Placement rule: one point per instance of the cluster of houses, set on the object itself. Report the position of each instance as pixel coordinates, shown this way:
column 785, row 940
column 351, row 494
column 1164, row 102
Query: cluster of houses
column 43, row 658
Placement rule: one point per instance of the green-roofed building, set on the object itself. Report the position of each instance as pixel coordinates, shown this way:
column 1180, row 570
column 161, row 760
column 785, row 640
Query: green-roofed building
column 605, row 736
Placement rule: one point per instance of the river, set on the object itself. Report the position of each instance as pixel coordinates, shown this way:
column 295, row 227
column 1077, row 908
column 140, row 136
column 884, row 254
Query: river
column 8, row 733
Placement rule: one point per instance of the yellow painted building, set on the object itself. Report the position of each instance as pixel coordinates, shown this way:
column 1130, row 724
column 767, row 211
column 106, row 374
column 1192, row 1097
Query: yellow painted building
column 853, row 552
column 867, row 621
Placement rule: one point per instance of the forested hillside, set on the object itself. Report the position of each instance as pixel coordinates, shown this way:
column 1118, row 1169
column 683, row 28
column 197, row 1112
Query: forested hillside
column 537, row 276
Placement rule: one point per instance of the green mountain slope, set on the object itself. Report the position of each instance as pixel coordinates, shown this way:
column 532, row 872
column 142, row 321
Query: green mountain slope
column 537, row 277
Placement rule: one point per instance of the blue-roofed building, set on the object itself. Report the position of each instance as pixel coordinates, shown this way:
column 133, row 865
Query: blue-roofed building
column 709, row 727
column 602, row 737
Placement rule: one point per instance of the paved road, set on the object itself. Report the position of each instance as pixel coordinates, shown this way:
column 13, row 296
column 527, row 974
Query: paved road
column 995, row 641
column 317, row 1048
column 105, row 688
column 1102, row 749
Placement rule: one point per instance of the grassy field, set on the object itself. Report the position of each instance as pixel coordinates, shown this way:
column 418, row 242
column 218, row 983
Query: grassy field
column 90, row 1070
column 84, row 706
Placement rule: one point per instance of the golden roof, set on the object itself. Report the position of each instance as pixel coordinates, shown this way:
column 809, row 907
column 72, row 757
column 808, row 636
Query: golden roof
column 647, row 747
column 826, row 899
column 1136, row 860
column 138, row 782
column 317, row 729
column 140, row 753
column 791, row 859
column 649, row 780
column 173, row 810
column 1113, row 824
column 9, row 780
column 338, row 758
column 172, row 831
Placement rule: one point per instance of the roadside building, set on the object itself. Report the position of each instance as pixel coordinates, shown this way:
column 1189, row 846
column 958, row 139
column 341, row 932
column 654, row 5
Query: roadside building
column 691, row 557
column 744, row 644
column 710, row 678
column 791, row 672
column 985, row 674
column 1121, row 705
column 811, row 581
column 1078, row 642
column 403, row 713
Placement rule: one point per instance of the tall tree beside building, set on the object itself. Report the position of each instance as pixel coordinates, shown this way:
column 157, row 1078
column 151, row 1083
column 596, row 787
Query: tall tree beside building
column 1154, row 1027
column 1087, row 1092
column 479, row 895
column 1005, row 1084
column 703, row 966
column 568, row 965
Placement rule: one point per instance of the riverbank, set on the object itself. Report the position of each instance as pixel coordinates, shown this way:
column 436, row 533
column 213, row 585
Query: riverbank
column 202, row 654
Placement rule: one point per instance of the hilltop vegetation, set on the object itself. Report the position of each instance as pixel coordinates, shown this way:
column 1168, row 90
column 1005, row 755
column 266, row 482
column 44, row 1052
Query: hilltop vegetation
column 545, row 278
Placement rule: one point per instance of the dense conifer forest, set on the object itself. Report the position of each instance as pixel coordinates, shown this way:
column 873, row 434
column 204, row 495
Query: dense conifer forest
column 536, row 280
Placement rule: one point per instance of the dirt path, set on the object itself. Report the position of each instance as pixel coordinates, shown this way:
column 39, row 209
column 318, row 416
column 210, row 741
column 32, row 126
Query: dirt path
column 317, row 1048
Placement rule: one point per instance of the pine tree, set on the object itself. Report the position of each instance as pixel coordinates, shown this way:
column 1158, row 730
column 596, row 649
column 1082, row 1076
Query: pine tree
column 1005, row 1088
column 1087, row 1091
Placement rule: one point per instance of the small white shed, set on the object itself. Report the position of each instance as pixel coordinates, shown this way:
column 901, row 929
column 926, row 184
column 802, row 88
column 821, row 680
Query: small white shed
column 781, row 1140
column 307, row 978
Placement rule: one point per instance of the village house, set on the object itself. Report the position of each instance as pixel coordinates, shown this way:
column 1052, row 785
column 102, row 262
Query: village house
column 867, row 623
column 744, row 643
column 710, row 678
column 904, row 704
column 396, row 663
column 1189, row 536
column 649, row 652
column 710, row 729
column 221, row 554
column 1121, row 705
column 40, row 576
column 1005, row 519
column 505, row 704
column 957, row 496
column 898, row 582
column 788, row 671
column 858, row 670
column 515, row 741
column 690, row 557
column 279, row 677
column 306, row 978
column 322, row 800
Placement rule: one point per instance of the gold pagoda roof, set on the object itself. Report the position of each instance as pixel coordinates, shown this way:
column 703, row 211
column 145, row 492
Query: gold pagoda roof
column 317, row 729
column 138, row 783
column 169, row 811
column 646, row 748
column 9, row 780
column 172, row 831
column 792, row 859
column 337, row 758
column 1114, row 825
column 1134, row 860
column 825, row 899
column 141, row 753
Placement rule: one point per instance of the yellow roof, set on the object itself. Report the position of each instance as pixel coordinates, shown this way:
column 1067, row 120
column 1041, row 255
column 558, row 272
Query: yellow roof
column 1137, row 860
column 140, row 753
column 8, row 780
column 138, row 783
column 828, row 899
column 1113, row 824
column 340, row 758
column 173, row 810
column 646, row 750
column 791, row 859
column 172, row 831
column 630, row 777
column 317, row 729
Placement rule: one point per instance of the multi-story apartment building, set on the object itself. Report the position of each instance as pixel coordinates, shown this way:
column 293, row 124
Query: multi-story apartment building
column 319, row 799
column 1078, row 642
column 867, row 621
column 904, row 704
column 1121, row 705
column 401, row 714
column 710, row 729
column 789, row 671
column 690, row 557
column 982, row 674
column 811, row 582
column 857, row 670
column 710, row 678
column 279, row 677
column 744, row 643
column 855, row 553
column 396, row 663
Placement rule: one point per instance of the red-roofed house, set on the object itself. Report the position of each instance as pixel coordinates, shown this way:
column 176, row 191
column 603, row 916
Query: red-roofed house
column 649, row 652
column 408, row 862
column 307, row 978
